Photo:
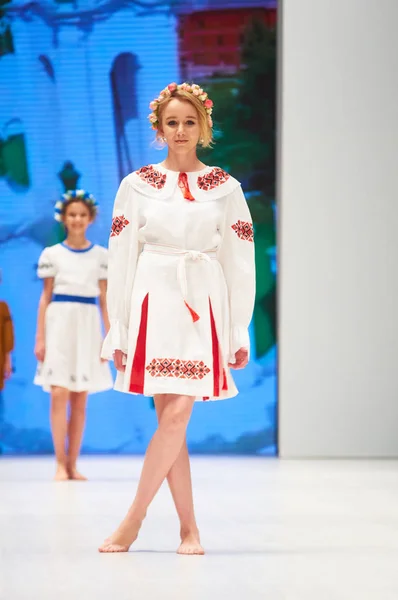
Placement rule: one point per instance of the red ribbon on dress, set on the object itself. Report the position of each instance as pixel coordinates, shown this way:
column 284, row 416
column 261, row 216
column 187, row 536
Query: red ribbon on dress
column 194, row 314
column 184, row 186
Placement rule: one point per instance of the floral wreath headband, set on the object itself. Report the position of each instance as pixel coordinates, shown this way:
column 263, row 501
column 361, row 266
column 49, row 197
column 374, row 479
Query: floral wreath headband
column 168, row 91
column 80, row 195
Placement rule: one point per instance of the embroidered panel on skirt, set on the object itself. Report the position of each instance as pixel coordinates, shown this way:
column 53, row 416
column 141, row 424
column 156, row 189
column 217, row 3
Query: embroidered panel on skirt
column 182, row 369
column 244, row 230
column 211, row 180
column 118, row 224
column 154, row 178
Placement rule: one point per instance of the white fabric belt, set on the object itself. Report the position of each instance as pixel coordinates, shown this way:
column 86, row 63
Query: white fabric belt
column 185, row 256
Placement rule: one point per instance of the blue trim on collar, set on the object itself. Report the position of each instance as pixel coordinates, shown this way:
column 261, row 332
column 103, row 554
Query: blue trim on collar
column 76, row 249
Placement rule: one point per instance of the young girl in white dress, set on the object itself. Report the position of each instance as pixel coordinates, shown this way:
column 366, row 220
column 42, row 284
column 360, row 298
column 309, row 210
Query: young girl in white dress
column 180, row 297
column 69, row 336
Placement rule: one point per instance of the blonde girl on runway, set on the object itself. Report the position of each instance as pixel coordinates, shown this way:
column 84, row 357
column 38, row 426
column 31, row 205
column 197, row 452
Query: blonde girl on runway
column 180, row 297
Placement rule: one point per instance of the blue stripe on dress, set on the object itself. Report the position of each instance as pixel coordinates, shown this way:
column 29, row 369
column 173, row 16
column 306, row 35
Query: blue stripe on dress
column 81, row 299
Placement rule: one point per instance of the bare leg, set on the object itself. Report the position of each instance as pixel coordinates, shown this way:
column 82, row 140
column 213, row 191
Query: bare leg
column 180, row 484
column 162, row 452
column 77, row 421
column 59, row 427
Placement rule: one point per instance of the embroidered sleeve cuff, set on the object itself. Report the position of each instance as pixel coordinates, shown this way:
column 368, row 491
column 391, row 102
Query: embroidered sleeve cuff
column 116, row 339
column 239, row 339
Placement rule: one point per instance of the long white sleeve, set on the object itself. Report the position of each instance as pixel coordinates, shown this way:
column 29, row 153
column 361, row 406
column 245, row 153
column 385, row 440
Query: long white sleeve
column 236, row 256
column 124, row 250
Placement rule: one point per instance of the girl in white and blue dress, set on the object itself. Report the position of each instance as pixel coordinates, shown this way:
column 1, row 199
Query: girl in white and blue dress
column 69, row 335
column 180, row 297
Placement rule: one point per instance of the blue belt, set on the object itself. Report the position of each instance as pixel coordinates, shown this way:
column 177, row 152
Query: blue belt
column 81, row 299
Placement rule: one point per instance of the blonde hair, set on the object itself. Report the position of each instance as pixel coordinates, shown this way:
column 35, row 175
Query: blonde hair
column 206, row 133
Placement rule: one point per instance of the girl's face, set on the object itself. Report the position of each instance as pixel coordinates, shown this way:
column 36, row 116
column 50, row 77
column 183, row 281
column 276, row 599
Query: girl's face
column 180, row 126
column 77, row 218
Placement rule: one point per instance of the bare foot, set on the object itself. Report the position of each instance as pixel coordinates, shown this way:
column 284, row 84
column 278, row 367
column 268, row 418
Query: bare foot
column 190, row 544
column 124, row 536
column 75, row 475
column 61, row 473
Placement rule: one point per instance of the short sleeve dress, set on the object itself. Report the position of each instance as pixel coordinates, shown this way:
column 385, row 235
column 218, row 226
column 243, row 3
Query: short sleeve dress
column 73, row 324
column 181, row 281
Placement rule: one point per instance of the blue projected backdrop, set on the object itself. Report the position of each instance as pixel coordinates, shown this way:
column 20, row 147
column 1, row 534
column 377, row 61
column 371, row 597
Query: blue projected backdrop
column 76, row 78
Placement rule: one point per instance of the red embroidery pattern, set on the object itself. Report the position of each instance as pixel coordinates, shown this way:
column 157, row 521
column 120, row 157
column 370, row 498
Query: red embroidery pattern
column 154, row 178
column 182, row 369
column 211, row 180
column 118, row 224
column 244, row 230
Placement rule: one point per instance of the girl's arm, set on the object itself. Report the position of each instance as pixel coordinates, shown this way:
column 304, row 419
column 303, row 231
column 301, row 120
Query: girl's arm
column 102, row 304
column 45, row 299
column 236, row 256
column 124, row 249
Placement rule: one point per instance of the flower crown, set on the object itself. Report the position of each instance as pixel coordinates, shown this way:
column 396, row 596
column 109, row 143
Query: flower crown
column 194, row 89
column 78, row 195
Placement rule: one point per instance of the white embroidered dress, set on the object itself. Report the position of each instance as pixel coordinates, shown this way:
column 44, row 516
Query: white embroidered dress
column 181, row 281
column 73, row 335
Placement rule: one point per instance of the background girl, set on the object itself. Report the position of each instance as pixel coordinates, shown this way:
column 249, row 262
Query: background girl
column 69, row 337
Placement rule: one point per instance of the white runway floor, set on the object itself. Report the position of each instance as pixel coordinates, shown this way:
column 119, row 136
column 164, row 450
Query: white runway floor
column 273, row 530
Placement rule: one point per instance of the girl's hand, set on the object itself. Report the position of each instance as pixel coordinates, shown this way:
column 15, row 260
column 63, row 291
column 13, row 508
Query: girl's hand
column 40, row 350
column 241, row 359
column 119, row 358
column 8, row 367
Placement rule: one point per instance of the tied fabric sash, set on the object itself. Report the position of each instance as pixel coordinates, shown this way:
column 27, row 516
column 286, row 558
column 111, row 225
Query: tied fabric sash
column 184, row 186
column 185, row 256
